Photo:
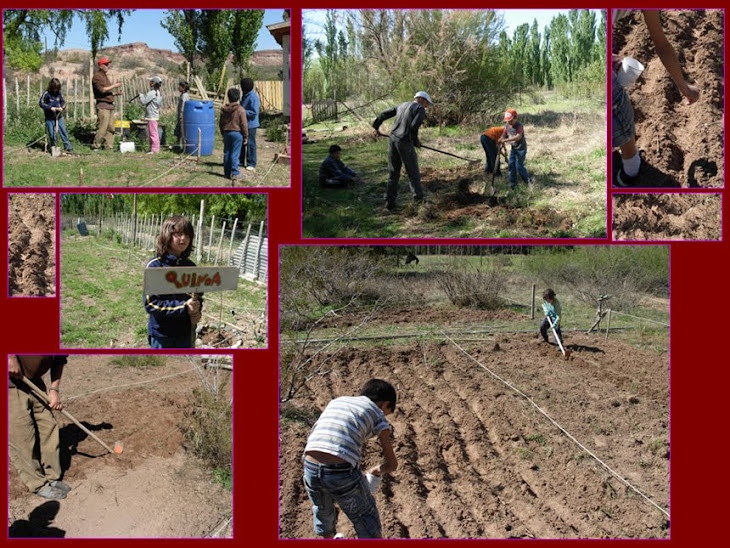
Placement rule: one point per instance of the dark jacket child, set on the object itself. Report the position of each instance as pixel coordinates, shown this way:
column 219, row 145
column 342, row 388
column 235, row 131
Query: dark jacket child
column 183, row 87
column 333, row 172
column 171, row 317
column 234, row 128
column 251, row 103
column 53, row 104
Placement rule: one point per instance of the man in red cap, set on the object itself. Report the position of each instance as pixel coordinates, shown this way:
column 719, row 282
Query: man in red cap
column 514, row 133
column 104, row 95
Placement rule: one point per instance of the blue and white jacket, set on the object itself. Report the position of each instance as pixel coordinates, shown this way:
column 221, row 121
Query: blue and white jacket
column 48, row 100
column 168, row 317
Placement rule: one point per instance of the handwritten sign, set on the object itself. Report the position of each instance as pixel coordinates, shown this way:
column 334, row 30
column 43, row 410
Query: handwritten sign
column 189, row 279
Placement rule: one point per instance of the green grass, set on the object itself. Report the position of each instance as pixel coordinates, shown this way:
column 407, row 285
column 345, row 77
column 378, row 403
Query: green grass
column 101, row 296
column 136, row 360
column 34, row 168
column 224, row 477
column 566, row 155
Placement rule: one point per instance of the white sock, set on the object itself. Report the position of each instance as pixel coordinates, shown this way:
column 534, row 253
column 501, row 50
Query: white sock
column 632, row 165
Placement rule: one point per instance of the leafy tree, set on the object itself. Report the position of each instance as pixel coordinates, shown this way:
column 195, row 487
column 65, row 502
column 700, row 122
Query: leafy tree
column 533, row 56
column 23, row 28
column 184, row 27
column 244, row 29
column 23, row 54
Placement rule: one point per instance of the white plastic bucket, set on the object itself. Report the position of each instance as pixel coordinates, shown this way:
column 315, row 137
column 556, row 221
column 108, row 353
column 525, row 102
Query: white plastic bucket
column 629, row 72
column 126, row 146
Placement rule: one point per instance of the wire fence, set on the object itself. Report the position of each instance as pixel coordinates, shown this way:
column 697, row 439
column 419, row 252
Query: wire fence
column 219, row 241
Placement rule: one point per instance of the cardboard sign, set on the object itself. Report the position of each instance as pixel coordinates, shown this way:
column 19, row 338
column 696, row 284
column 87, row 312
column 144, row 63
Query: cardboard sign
column 189, row 279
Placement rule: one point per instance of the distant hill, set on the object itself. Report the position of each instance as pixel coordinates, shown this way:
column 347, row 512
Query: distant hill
column 138, row 59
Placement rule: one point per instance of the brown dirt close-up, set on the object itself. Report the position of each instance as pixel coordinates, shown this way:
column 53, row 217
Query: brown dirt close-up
column 681, row 145
column 155, row 488
column 477, row 460
column 32, row 245
column 667, row 217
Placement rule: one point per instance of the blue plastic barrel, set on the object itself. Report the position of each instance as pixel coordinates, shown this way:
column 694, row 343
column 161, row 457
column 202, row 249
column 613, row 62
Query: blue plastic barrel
column 199, row 114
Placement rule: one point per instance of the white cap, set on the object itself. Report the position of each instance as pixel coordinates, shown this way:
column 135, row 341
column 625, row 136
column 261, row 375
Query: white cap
column 423, row 95
column 155, row 79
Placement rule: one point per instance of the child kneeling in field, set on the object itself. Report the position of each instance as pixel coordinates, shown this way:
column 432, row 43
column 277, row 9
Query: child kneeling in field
column 332, row 459
column 172, row 317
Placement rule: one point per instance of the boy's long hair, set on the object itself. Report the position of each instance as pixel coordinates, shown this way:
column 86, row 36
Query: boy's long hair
column 173, row 225
column 54, row 86
column 379, row 390
column 548, row 294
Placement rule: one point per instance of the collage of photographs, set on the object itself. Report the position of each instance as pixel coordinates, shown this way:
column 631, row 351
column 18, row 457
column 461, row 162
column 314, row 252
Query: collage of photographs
column 437, row 330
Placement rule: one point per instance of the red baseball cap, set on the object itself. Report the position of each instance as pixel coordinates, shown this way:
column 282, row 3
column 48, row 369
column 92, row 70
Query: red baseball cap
column 103, row 61
column 511, row 113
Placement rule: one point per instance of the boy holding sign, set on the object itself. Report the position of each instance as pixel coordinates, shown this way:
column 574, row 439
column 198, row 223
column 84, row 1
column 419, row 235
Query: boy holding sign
column 172, row 316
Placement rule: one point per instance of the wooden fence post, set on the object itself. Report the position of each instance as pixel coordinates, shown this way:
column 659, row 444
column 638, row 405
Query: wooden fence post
column 199, row 251
column 532, row 303
column 220, row 243
column 17, row 97
column 230, row 246
column 608, row 323
column 258, row 252
column 210, row 237
column 246, row 241
column 27, row 90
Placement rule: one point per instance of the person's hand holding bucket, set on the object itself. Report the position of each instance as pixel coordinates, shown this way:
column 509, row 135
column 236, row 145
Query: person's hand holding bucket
column 629, row 71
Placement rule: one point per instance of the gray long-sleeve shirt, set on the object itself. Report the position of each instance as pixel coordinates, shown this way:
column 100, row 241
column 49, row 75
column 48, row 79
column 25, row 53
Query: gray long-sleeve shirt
column 408, row 118
column 152, row 103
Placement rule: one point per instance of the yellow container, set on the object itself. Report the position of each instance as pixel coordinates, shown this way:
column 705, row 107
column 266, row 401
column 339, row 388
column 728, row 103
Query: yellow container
column 122, row 124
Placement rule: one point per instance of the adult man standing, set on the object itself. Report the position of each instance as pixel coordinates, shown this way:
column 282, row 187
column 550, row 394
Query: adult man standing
column 250, row 102
column 403, row 138
column 104, row 95
column 31, row 423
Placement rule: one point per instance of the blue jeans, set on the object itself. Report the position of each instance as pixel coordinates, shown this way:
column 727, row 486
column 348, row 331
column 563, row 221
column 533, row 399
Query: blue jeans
column 51, row 128
column 517, row 165
column 169, row 342
column 248, row 156
column 346, row 486
column 490, row 151
column 232, row 141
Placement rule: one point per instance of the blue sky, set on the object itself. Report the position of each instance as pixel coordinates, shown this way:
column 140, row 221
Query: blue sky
column 513, row 18
column 144, row 26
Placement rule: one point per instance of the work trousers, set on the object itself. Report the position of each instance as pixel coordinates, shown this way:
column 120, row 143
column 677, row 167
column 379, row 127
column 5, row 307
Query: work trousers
column 33, row 438
column 517, row 165
column 104, row 128
column 403, row 153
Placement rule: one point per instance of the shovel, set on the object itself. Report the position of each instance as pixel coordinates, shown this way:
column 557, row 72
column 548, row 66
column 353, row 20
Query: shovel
column 566, row 354
column 470, row 160
column 55, row 149
column 501, row 152
column 117, row 445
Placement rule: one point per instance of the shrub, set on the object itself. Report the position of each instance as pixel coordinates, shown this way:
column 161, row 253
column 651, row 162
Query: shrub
column 275, row 127
column 209, row 430
column 472, row 287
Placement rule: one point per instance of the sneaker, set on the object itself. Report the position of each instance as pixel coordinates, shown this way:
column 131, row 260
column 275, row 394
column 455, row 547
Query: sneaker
column 250, row 168
column 51, row 493
column 390, row 206
column 624, row 180
column 339, row 536
column 65, row 487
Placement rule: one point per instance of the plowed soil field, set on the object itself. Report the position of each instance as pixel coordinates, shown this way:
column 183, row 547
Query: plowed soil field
column 477, row 460
column 31, row 245
column 154, row 489
column 682, row 144
column 667, row 217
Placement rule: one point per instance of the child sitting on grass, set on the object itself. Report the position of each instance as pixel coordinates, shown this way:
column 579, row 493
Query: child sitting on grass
column 333, row 172
column 552, row 309
column 623, row 130
column 332, row 459
column 53, row 103
column 172, row 317
column 234, row 128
